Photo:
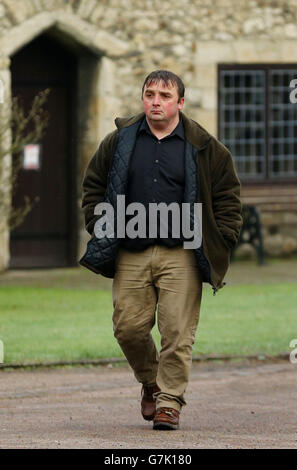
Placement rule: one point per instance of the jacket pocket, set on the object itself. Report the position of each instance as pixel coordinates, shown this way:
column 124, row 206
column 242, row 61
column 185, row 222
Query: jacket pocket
column 218, row 233
column 222, row 238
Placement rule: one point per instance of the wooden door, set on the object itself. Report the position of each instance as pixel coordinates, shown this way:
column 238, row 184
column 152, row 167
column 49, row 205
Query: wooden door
column 47, row 237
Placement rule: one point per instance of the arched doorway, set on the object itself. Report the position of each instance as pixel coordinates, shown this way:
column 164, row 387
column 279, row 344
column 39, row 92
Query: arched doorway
column 92, row 52
column 48, row 236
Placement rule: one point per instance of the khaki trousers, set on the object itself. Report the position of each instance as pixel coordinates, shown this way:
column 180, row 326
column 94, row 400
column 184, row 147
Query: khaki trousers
column 169, row 278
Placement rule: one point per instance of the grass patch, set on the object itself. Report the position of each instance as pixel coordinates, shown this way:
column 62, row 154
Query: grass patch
column 48, row 324
column 248, row 319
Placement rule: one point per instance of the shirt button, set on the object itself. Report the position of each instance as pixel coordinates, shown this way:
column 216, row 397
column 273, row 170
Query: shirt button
column 155, row 180
column 157, row 161
column 159, row 141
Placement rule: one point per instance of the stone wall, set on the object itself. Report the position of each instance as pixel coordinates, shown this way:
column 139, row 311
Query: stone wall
column 134, row 37
column 185, row 36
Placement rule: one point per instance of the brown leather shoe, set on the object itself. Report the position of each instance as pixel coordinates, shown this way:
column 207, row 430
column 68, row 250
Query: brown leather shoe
column 166, row 419
column 148, row 402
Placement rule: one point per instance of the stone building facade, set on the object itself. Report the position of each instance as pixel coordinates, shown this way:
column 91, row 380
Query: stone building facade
column 116, row 43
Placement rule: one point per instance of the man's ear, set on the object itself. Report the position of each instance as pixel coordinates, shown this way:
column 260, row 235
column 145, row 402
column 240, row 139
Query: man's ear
column 181, row 103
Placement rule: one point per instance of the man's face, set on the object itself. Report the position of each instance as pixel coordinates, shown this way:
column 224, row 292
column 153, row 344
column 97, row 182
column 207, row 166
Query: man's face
column 161, row 102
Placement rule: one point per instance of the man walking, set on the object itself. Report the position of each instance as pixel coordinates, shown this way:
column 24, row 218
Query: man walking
column 161, row 156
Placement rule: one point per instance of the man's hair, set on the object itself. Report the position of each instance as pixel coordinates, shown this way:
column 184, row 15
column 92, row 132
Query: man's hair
column 169, row 78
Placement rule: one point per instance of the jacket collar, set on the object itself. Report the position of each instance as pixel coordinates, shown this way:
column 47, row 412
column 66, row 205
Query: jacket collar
column 194, row 133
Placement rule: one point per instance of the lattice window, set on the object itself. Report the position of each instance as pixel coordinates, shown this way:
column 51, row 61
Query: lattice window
column 257, row 121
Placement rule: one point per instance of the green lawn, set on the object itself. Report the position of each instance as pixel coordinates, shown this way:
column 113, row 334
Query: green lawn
column 38, row 323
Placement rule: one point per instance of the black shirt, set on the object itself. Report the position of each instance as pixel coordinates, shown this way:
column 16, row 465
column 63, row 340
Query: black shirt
column 156, row 174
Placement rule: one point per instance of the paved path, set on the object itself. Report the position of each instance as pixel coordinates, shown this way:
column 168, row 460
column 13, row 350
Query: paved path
column 229, row 406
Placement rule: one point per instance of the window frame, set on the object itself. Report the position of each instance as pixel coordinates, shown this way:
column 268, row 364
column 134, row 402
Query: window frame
column 276, row 180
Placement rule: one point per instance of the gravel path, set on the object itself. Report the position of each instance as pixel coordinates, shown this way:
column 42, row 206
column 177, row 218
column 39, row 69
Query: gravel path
column 229, row 406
